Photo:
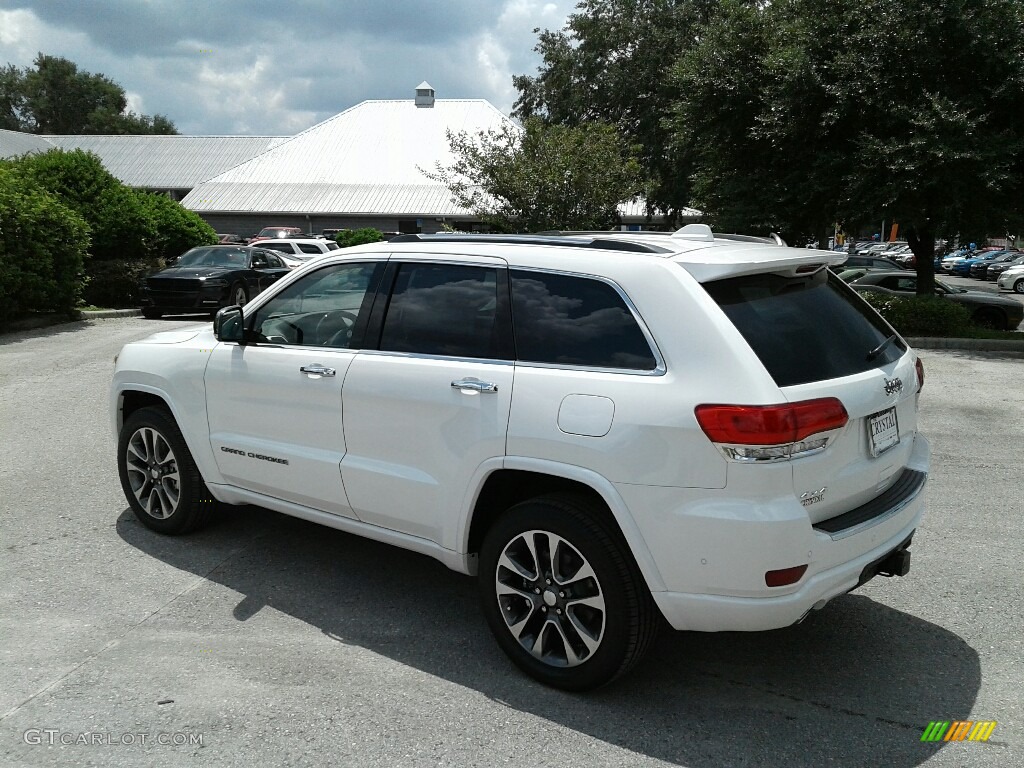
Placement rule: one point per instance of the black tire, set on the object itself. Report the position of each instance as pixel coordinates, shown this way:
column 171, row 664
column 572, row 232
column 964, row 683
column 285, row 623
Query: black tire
column 570, row 534
column 152, row 313
column 237, row 295
column 1018, row 287
column 150, row 448
column 989, row 318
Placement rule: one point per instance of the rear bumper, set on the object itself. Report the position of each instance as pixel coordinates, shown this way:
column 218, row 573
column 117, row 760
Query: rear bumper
column 723, row 613
column 868, row 542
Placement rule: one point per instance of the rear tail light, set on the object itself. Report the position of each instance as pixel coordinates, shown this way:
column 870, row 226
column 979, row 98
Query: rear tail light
column 919, row 366
column 772, row 432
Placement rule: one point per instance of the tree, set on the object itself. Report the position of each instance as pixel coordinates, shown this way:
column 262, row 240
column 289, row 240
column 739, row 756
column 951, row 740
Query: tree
column 12, row 98
column 543, row 177
column 55, row 97
column 610, row 64
column 805, row 112
column 350, row 237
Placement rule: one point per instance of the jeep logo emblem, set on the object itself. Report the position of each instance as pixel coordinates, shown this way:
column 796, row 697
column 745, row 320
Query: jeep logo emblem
column 892, row 386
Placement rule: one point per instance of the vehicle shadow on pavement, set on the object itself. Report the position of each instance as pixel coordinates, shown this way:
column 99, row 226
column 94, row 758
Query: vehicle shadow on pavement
column 855, row 684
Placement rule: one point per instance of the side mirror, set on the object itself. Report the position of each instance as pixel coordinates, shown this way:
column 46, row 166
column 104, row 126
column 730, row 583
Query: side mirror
column 229, row 324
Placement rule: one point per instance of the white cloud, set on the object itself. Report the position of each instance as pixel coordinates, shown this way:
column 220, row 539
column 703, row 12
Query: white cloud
column 238, row 75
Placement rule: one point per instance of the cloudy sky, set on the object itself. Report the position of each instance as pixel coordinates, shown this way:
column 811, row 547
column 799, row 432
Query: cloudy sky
column 275, row 68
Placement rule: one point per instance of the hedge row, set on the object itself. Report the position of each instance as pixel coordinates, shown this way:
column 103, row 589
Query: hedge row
column 42, row 250
column 923, row 315
column 70, row 231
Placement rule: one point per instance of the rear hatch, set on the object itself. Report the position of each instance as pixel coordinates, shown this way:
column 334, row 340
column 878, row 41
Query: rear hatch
column 820, row 341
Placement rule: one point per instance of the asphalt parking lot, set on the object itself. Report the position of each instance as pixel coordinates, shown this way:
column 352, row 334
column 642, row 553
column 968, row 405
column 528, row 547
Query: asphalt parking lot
column 266, row 640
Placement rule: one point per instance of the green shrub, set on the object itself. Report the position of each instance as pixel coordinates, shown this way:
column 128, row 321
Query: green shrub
column 922, row 315
column 176, row 228
column 350, row 237
column 43, row 245
column 120, row 226
column 115, row 282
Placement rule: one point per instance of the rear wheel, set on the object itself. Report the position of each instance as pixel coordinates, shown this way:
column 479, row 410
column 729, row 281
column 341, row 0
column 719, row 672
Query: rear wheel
column 152, row 313
column 562, row 594
column 158, row 475
column 989, row 318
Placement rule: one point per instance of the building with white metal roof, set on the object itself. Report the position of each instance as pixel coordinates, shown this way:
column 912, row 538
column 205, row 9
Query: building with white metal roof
column 364, row 167
column 171, row 164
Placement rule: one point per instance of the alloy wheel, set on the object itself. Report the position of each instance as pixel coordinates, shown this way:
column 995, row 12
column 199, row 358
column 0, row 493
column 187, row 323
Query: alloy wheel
column 153, row 473
column 550, row 598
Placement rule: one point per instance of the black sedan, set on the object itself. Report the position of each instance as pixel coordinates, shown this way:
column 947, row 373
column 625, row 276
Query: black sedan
column 207, row 278
column 995, row 270
column 988, row 310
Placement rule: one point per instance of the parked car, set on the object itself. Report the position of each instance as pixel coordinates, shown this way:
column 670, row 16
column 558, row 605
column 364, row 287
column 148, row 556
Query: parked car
column 268, row 233
column 962, row 267
column 525, row 408
column 1012, row 279
column 946, row 263
column 979, row 267
column 209, row 277
column 987, row 309
column 230, row 239
column 297, row 251
column 870, row 262
column 995, row 270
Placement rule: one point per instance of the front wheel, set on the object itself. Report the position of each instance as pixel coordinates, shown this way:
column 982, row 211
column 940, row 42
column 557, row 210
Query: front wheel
column 562, row 594
column 237, row 295
column 1018, row 287
column 158, row 475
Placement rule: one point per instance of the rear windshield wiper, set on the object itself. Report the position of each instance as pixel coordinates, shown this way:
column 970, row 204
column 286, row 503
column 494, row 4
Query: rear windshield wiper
column 881, row 347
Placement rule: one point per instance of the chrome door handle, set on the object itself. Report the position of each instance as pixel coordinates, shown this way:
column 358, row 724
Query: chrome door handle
column 474, row 385
column 317, row 369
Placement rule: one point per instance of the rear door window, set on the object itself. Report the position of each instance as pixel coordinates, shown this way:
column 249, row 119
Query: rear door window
column 805, row 329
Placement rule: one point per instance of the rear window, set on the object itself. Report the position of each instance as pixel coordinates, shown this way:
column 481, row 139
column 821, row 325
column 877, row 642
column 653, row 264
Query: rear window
column 805, row 329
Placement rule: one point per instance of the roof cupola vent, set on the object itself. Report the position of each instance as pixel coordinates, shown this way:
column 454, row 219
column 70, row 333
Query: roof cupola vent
column 424, row 95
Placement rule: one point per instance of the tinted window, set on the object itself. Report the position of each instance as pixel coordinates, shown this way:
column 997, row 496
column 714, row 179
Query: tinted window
column 308, row 248
column 804, row 329
column 273, row 261
column 443, row 309
column 326, row 308
column 282, row 247
column 570, row 320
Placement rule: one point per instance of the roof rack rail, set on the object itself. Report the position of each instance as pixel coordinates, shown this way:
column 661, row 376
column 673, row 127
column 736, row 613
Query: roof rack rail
column 772, row 239
column 574, row 241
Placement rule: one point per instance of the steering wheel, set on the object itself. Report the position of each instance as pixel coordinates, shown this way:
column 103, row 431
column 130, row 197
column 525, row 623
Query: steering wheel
column 334, row 329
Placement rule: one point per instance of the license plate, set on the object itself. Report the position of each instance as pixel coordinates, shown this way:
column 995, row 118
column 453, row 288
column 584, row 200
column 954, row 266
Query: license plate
column 883, row 431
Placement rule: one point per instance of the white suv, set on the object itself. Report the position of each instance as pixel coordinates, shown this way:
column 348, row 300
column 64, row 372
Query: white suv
column 606, row 429
column 295, row 251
